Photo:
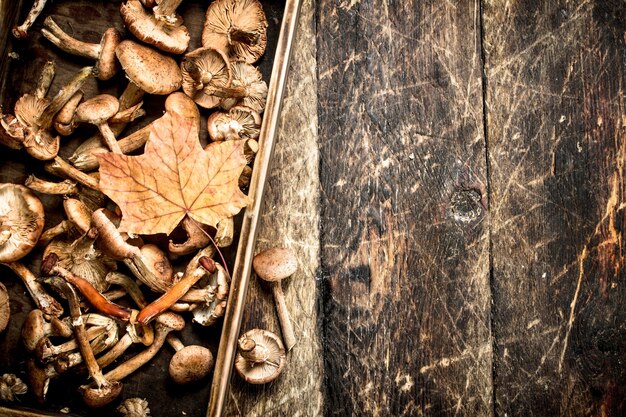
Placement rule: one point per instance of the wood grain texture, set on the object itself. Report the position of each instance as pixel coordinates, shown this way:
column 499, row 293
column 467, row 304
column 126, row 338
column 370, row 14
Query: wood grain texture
column 9, row 14
column 405, row 253
column 555, row 95
column 291, row 219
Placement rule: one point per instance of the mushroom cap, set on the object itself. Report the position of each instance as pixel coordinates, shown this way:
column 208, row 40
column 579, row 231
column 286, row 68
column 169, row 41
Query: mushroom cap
column 5, row 308
column 21, row 221
column 39, row 378
column 148, row 69
column 146, row 27
column 96, row 397
column 190, row 364
column 157, row 262
column 202, row 70
column 238, row 123
column 262, row 372
column 98, row 109
column 224, row 18
column 171, row 320
column 249, row 77
column 275, row 264
column 107, row 65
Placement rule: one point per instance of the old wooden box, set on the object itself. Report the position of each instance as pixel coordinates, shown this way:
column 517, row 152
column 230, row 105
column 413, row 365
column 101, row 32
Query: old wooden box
column 19, row 70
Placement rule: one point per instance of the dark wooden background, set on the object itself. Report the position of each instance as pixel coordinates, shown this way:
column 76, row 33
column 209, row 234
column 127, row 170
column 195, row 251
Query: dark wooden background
column 451, row 175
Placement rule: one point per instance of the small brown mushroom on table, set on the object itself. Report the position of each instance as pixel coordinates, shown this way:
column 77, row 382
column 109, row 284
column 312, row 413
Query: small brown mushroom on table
column 206, row 76
column 103, row 53
column 274, row 265
column 261, row 356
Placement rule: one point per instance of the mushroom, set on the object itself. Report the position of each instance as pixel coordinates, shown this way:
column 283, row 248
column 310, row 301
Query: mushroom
column 21, row 221
column 39, row 377
column 53, row 232
column 82, row 258
column 149, row 263
column 78, row 213
column 274, row 265
column 147, row 69
column 97, row 111
column 35, row 114
column 238, row 27
column 10, row 386
column 163, row 29
column 225, row 232
column 214, row 302
column 260, row 357
column 244, row 178
column 21, row 31
column 36, row 327
column 134, row 407
column 206, row 76
column 238, row 123
column 189, row 363
column 5, row 307
column 105, row 390
column 58, row 166
column 248, row 88
column 64, row 122
column 197, row 237
column 103, row 53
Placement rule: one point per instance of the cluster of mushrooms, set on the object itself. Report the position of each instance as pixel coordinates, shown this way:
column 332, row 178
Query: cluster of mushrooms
column 102, row 292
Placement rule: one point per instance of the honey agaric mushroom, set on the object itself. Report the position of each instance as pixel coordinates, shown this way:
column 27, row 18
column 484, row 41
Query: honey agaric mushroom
column 78, row 213
column 147, row 69
column 260, row 357
column 39, row 377
column 104, row 390
column 213, row 304
column 103, row 53
column 238, row 27
column 65, row 187
column 21, row 31
column 36, row 327
column 163, row 29
column 274, row 265
column 134, row 407
column 64, row 122
column 197, row 237
column 248, row 88
column 5, row 308
column 10, row 386
column 97, row 111
column 190, row 363
column 238, row 123
column 206, row 76
column 84, row 259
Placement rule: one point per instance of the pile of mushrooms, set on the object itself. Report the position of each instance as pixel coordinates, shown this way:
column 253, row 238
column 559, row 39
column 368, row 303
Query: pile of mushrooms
column 106, row 302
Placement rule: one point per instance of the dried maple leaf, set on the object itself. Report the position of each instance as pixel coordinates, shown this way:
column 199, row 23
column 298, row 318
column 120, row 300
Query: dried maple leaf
column 174, row 177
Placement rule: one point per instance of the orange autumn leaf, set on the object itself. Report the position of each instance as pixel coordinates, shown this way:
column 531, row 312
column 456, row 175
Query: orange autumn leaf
column 174, row 177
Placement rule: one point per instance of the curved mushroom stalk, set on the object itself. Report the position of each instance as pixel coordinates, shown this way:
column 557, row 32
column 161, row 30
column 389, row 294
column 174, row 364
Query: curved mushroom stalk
column 21, row 31
column 103, row 53
column 104, row 390
column 97, row 111
column 197, row 238
column 44, row 301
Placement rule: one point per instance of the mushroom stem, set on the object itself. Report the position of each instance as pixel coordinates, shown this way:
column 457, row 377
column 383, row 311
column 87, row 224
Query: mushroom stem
column 94, row 297
column 283, row 315
column 166, row 10
column 45, row 79
column 47, row 187
column 109, row 138
column 116, row 351
column 46, row 117
column 61, row 168
column 64, row 122
column 175, row 292
column 21, row 31
column 105, row 391
column 71, row 45
column 49, row 234
column 44, row 301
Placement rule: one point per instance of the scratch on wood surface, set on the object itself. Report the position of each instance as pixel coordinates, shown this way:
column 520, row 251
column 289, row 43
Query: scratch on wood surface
column 451, row 360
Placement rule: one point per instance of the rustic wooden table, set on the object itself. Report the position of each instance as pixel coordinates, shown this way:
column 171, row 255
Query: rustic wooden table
column 451, row 175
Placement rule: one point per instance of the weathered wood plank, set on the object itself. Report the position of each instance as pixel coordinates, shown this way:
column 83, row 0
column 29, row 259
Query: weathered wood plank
column 291, row 218
column 556, row 122
column 403, row 228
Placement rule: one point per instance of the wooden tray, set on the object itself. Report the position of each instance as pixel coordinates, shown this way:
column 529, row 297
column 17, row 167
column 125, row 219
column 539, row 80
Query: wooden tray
column 17, row 76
